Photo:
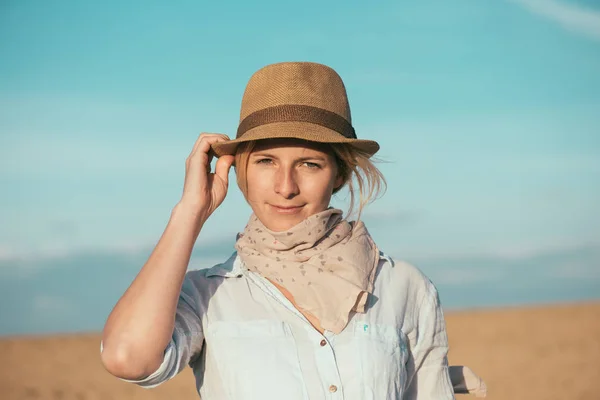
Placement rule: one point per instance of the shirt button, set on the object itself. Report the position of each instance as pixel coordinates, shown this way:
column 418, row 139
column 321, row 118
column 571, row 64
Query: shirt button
column 333, row 388
column 323, row 342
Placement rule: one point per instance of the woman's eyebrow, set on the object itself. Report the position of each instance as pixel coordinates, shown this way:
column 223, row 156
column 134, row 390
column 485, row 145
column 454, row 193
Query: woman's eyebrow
column 305, row 158
column 263, row 154
column 314, row 158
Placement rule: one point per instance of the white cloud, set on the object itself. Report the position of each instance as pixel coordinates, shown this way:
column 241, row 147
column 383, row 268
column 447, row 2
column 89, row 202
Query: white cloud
column 500, row 251
column 28, row 260
column 390, row 215
column 577, row 270
column 53, row 250
column 464, row 276
column 572, row 17
column 44, row 304
column 531, row 250
column 8, row 253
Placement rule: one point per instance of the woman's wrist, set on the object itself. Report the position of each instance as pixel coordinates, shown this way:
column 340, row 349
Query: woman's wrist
column 185, row 214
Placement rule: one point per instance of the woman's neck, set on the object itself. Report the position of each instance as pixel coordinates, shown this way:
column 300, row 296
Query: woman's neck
column 311, row 318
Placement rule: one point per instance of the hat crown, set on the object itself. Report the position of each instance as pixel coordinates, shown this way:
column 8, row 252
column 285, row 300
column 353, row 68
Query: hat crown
column 296, row 83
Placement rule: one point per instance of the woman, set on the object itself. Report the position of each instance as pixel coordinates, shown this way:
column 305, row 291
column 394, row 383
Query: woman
column 307, row 307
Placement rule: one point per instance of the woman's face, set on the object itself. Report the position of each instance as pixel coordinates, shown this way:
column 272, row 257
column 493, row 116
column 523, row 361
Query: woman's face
column 289, row 180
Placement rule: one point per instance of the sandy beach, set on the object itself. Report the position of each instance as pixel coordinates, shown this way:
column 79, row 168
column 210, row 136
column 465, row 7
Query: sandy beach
column 533, row 353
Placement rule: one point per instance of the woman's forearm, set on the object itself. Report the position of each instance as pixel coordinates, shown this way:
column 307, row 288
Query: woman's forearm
column 141, row 324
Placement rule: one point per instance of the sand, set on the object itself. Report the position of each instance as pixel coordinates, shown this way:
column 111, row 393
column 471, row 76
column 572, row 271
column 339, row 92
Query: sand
column 534, row 353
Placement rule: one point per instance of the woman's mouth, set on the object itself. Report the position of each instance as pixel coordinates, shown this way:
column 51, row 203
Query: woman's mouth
column 286, row 209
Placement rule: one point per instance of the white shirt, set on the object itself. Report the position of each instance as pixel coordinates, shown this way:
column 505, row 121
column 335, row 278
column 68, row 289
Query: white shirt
column 246, row 341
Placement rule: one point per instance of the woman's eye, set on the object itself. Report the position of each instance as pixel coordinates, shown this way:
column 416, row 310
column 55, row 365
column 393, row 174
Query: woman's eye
column 311, row 165
column 264, row 161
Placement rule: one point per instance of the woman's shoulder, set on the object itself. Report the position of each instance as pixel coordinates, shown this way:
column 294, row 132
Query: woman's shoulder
column 404, row 276
column 202, row 283
column 202, row 275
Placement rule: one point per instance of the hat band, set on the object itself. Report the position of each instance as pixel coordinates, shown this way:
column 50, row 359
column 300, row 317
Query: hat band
column 297, row 113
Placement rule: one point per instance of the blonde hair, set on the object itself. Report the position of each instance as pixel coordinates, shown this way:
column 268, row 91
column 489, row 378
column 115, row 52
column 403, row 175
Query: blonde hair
column 356, row 168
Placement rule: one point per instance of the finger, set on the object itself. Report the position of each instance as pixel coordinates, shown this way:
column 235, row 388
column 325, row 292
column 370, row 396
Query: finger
column 201, row 154
column 204, row 145
column 197, row 142
column 205, row 135
column 222, row 168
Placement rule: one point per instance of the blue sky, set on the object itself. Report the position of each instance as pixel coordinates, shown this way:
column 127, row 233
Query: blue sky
column 488, row 114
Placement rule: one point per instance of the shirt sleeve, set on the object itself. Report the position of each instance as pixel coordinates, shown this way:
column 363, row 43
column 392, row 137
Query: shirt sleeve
column 427, row 368
column 186, row 341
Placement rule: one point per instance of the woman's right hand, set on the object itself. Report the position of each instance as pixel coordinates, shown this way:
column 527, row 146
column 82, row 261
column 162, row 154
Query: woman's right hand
column 204, row 191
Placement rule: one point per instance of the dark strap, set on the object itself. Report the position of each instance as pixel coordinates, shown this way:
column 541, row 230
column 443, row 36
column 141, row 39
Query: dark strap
column 297, row 113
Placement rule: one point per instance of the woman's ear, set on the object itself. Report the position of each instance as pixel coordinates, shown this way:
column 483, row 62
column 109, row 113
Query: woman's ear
column 339, row 182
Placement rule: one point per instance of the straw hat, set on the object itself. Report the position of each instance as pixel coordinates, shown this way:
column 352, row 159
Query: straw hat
column 296, row 100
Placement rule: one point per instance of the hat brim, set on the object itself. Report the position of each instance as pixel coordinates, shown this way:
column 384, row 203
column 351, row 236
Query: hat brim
column 297, row 130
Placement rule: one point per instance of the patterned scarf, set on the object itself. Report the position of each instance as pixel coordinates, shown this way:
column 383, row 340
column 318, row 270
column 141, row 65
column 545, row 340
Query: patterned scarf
column 328, row 264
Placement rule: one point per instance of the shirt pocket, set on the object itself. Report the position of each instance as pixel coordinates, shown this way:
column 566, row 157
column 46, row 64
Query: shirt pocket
column 382, row 354
column 256, row 359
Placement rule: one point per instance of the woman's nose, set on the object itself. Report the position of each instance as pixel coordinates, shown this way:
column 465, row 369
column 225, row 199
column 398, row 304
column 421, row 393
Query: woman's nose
column 285, row 183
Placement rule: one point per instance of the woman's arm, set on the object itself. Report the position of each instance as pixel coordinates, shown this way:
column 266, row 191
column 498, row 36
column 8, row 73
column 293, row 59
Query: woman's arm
column 140, row 326
column 428, row 374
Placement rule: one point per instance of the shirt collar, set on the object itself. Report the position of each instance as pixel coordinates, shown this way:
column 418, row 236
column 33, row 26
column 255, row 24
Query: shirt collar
column 232, row 268
column 384, row 256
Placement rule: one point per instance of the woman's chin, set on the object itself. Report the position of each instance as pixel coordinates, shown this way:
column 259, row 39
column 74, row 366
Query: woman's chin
column 282, row 222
